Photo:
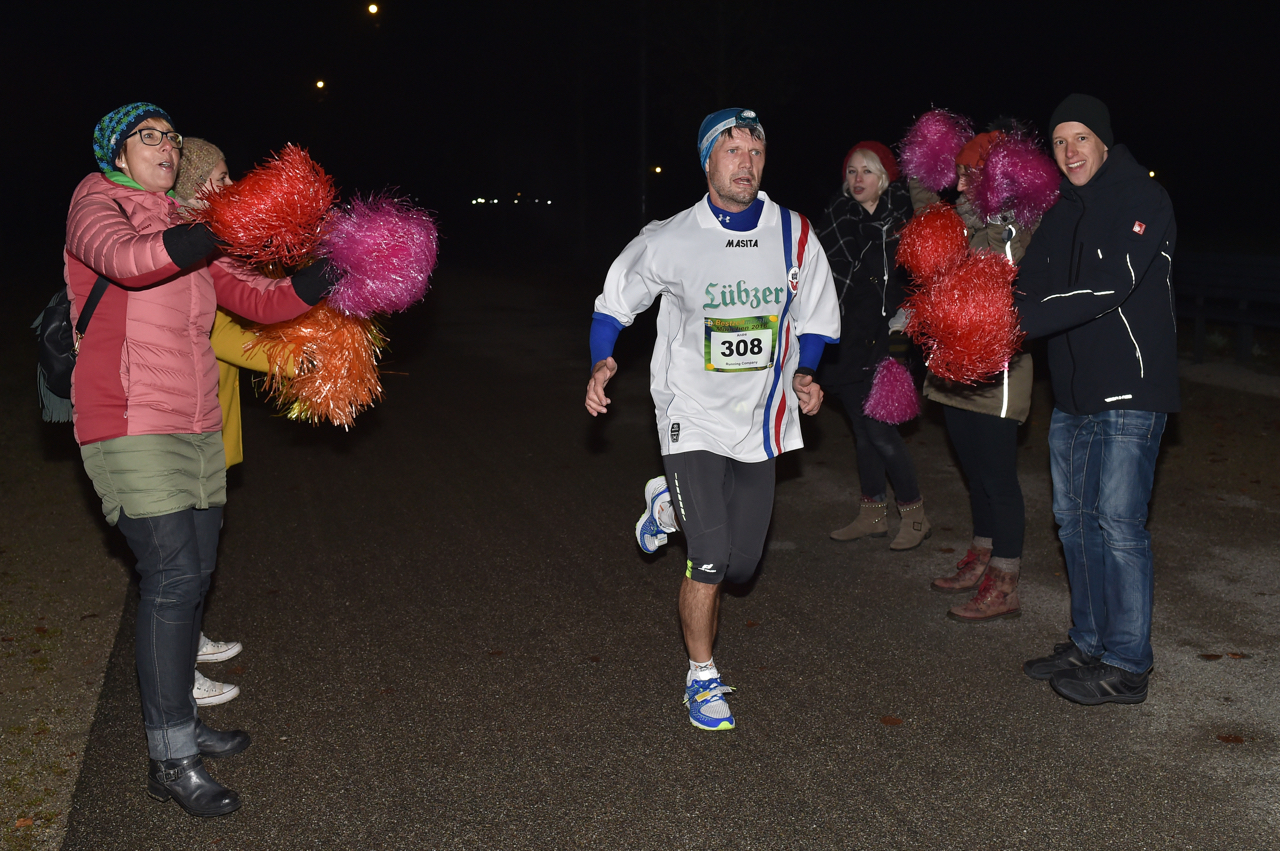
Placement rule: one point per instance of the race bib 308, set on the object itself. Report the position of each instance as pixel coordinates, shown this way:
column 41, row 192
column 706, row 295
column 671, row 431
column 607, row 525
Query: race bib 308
column 741, row 344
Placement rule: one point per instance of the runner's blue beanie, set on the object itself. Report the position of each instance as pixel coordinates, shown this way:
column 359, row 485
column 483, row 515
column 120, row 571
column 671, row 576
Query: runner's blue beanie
column 717, row 122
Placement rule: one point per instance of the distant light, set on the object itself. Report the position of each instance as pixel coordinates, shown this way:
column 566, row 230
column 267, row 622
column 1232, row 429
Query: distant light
column 373, row 8
column 319, row 84
column 657, row 169
column 1151, row 174
column 548, row 202
column 517, row 201
column 518, row 194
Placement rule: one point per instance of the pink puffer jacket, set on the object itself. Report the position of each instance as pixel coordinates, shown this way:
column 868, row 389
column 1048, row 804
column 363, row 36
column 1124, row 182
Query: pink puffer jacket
column 145, row 363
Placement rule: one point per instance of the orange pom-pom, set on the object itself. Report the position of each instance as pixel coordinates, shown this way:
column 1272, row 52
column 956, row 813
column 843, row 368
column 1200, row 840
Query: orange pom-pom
column 934, row 239
column 964, row 318
column 278, row 212
column 335, row 359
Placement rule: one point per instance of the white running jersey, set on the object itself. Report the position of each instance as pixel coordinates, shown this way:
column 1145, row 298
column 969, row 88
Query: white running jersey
column 733, row 306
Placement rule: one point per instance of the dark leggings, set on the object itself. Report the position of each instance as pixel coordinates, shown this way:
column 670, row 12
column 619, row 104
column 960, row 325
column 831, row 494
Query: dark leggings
column 881, row 450
column 988, row 450
column 724, row 507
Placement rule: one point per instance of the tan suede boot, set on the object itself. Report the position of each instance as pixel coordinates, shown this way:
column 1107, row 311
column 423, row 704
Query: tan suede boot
column 872, row 522
column 997, row 596
column 969, row 572
column 915, row 526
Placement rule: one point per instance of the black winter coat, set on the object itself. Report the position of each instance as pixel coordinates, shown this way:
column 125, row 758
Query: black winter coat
column 861, row 248
column 1096, row 281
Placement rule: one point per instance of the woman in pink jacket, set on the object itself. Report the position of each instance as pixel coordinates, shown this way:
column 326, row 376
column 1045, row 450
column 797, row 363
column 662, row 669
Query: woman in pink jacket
column 145, row 390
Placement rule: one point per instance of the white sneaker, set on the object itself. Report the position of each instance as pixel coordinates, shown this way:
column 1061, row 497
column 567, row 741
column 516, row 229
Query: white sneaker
column 209, row 693
column 216, row 651
column 658, row 518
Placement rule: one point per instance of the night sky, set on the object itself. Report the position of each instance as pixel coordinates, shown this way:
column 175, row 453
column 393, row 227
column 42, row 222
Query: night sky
column 451, row 102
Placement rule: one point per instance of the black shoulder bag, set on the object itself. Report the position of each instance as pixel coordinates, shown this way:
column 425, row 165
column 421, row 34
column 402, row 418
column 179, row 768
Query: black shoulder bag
column 59, row 343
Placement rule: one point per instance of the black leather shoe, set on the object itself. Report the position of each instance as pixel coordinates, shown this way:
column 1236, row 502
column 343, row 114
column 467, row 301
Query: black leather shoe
column 215, row 743
column 1065, row 656
column 1100, row 683
column 186, row 781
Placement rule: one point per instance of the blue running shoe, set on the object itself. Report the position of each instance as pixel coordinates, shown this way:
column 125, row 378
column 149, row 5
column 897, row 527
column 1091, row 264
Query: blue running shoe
column 708, row 710
column 651, row 532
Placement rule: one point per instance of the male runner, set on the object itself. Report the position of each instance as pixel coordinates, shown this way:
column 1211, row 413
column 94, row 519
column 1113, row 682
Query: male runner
column 748, row 304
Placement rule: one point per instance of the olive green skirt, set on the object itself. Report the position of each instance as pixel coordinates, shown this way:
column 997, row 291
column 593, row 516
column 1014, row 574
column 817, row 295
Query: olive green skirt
column 147, row 475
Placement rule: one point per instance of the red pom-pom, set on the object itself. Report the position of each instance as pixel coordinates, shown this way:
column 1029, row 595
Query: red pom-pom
column 276, row 213
column 893, row 398
column 934, row 239
column 964, row 318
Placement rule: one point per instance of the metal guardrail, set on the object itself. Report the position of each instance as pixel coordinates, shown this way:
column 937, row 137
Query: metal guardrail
column 1231, row 289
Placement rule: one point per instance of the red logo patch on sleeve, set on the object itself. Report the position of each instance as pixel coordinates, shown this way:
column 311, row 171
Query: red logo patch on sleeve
column 1139, row 228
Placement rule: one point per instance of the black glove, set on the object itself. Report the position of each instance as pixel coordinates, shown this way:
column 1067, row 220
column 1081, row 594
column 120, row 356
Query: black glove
column 187, row 245
column 313, row 283
column 899, row 347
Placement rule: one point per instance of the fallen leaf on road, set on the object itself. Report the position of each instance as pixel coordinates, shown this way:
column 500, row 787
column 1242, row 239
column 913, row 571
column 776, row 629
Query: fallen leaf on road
column 386, row 691
column 495, row 652
column 595, row 658
column 236, row 671
column 1238, row 655
column 751, row 624
column 42, row 629
column 1211, row 657
column 24, row 822
column 1231, row 740
column 890, row 720
column 947, row 550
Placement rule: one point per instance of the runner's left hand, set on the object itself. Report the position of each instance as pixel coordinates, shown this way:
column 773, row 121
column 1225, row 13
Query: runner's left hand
column 809, row 392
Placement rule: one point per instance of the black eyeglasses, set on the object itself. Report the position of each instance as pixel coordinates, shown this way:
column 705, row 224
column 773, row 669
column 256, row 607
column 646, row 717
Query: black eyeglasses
column 153, row 137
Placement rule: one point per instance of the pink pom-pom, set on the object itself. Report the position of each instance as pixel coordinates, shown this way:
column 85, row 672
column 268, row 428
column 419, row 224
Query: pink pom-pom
column 385, row 250
column 934, row 239
column 893, row 397
column 964, row 318
column 928, row 151
column 1019, row 178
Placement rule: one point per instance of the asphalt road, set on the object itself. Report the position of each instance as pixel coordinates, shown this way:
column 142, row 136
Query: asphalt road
column 452, row 640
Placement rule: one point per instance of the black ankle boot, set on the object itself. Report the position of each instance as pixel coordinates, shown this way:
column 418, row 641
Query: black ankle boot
column 216, row 743
column 186, row 781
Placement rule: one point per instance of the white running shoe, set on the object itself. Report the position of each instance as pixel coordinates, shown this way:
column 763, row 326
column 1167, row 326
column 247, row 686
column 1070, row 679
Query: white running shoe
column 209, row 693
column 658, row 518
column 216, row 651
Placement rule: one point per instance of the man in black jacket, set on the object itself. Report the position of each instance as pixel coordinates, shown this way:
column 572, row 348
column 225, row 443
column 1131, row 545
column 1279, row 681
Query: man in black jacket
column 1096, row 282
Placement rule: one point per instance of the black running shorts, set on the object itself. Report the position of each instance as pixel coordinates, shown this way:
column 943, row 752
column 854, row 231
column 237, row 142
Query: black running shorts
column 724, row 507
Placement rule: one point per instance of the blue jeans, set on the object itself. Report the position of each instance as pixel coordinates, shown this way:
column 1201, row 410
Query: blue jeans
column 176, row 556
column 1103, row 468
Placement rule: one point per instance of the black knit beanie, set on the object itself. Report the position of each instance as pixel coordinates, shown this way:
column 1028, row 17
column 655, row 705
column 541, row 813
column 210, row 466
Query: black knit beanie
column 1089, row 111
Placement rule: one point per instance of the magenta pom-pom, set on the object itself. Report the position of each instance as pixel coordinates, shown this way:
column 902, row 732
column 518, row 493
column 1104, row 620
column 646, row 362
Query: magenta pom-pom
column 928, row 151
column 934, row 239
column 964, row 318
column 1019, row 178
column 893, row 397
column 384, row 249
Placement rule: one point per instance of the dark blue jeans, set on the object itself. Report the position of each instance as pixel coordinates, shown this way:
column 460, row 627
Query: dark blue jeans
column 176, row 556
column 1103, row 468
